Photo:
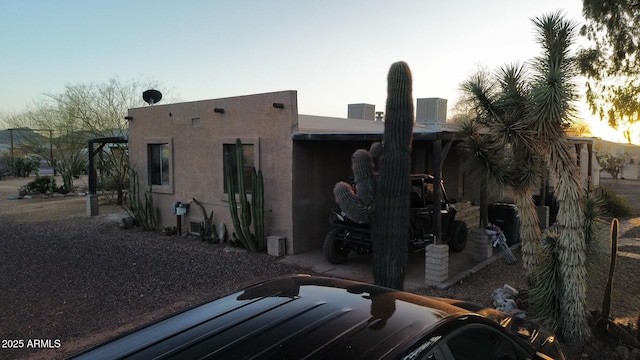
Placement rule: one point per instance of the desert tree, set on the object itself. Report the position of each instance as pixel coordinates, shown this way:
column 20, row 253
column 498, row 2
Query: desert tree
column 611, row 61
column 79, row 113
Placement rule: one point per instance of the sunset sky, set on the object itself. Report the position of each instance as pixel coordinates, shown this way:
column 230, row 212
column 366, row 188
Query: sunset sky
column 333, row 52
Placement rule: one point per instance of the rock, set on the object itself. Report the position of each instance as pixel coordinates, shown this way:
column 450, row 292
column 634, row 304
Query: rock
column 510, row 291
column 14, row 197
column 507, row 306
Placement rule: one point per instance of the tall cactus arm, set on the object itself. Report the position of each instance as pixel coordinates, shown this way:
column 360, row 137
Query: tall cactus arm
column 362, row 167
column 350, row 203
column 606, row 301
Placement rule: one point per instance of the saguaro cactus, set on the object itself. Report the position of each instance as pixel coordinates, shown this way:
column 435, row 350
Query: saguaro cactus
column 357, row 205
column 385, row 202
column 390, row 220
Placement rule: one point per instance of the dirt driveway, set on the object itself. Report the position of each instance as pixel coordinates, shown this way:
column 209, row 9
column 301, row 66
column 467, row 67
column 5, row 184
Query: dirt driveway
column 74, row 281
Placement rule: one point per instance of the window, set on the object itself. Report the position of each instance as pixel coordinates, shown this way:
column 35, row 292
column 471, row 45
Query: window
column 158, row 161
column 248, row 159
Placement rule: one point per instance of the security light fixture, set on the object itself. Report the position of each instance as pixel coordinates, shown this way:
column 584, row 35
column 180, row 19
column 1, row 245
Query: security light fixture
column 218, row 110
column 278, row 105
column 128, row 118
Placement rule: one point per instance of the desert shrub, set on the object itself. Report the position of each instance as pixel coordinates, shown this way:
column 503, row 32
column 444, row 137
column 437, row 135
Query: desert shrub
column 5, row 164
column 25, row 165
column 41, row 185
column 614, row 205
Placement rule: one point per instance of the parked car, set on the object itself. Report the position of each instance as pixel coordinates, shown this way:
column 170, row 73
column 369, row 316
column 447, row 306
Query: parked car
column 348, row 236
column 307, row 317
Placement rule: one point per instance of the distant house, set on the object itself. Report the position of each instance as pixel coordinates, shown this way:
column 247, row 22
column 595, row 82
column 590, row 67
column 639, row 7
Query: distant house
column 178, row 150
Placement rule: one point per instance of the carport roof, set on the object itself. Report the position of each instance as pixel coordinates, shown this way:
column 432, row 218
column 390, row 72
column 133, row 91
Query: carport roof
column 311, row 127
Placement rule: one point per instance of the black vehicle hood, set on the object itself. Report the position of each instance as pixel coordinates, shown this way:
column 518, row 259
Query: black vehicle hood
column 292, row 317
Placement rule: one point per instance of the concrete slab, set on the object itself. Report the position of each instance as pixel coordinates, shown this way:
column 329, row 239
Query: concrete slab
column 358, row 267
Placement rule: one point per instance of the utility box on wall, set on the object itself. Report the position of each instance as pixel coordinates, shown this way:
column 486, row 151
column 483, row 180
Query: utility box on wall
column 275, row 245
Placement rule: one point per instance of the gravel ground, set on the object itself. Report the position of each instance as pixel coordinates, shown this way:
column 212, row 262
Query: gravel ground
column 83, row 281
column 75, row 281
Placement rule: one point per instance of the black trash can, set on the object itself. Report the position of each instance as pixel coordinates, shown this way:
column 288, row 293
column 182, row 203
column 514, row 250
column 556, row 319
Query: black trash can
column 507, row 218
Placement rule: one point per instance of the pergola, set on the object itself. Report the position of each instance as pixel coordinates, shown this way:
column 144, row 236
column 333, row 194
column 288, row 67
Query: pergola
column 92, row 197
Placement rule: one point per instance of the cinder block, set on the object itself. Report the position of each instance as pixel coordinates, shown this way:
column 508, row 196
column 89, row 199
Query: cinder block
column 276, row 245
column 436, row 264
column 92, row 205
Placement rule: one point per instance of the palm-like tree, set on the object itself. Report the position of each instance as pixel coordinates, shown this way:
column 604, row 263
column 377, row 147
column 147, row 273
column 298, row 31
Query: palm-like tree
column 501, row 148
column 519, row 128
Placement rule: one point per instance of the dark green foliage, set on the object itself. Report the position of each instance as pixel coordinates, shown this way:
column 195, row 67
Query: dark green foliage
column 594, row 214
column 41, row 185
column 614, row 205
column 390, row 220
column 25, row 165
column 611, row 62
column 207, row 226
column 546, row 293
column 243, row 213
column 143, row 212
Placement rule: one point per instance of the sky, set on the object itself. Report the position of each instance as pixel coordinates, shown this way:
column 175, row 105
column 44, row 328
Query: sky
column 333, row 52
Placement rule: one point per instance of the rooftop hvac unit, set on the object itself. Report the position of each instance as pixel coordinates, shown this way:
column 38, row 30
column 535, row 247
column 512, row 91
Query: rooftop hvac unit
column 362, row 112
column 431, row 111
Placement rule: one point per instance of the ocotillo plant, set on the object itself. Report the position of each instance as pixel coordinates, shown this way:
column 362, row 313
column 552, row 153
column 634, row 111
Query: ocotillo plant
column 390, row 220
column 143, row 213
column 242, row 219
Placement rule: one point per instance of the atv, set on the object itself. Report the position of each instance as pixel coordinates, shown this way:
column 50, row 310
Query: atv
column 348, row 235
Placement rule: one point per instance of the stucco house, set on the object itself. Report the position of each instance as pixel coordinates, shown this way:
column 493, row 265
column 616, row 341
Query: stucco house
column 178, row 151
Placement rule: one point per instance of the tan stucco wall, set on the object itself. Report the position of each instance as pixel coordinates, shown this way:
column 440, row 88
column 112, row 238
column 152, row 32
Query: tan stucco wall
column 197, row 159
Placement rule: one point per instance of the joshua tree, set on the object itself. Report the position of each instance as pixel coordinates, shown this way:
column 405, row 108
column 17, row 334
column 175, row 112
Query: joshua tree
column 523, row 119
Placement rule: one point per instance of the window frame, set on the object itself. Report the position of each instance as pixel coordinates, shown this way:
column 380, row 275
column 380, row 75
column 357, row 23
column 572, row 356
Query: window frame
column 256, row 161
column 164, row 188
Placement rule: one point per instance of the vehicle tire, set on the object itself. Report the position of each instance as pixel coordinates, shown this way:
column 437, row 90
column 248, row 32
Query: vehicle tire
column 331, row 248
column 458, row 236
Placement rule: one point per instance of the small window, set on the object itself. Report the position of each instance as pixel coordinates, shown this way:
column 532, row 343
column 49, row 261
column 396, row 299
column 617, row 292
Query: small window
column 247, row 159
column 158, row 164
